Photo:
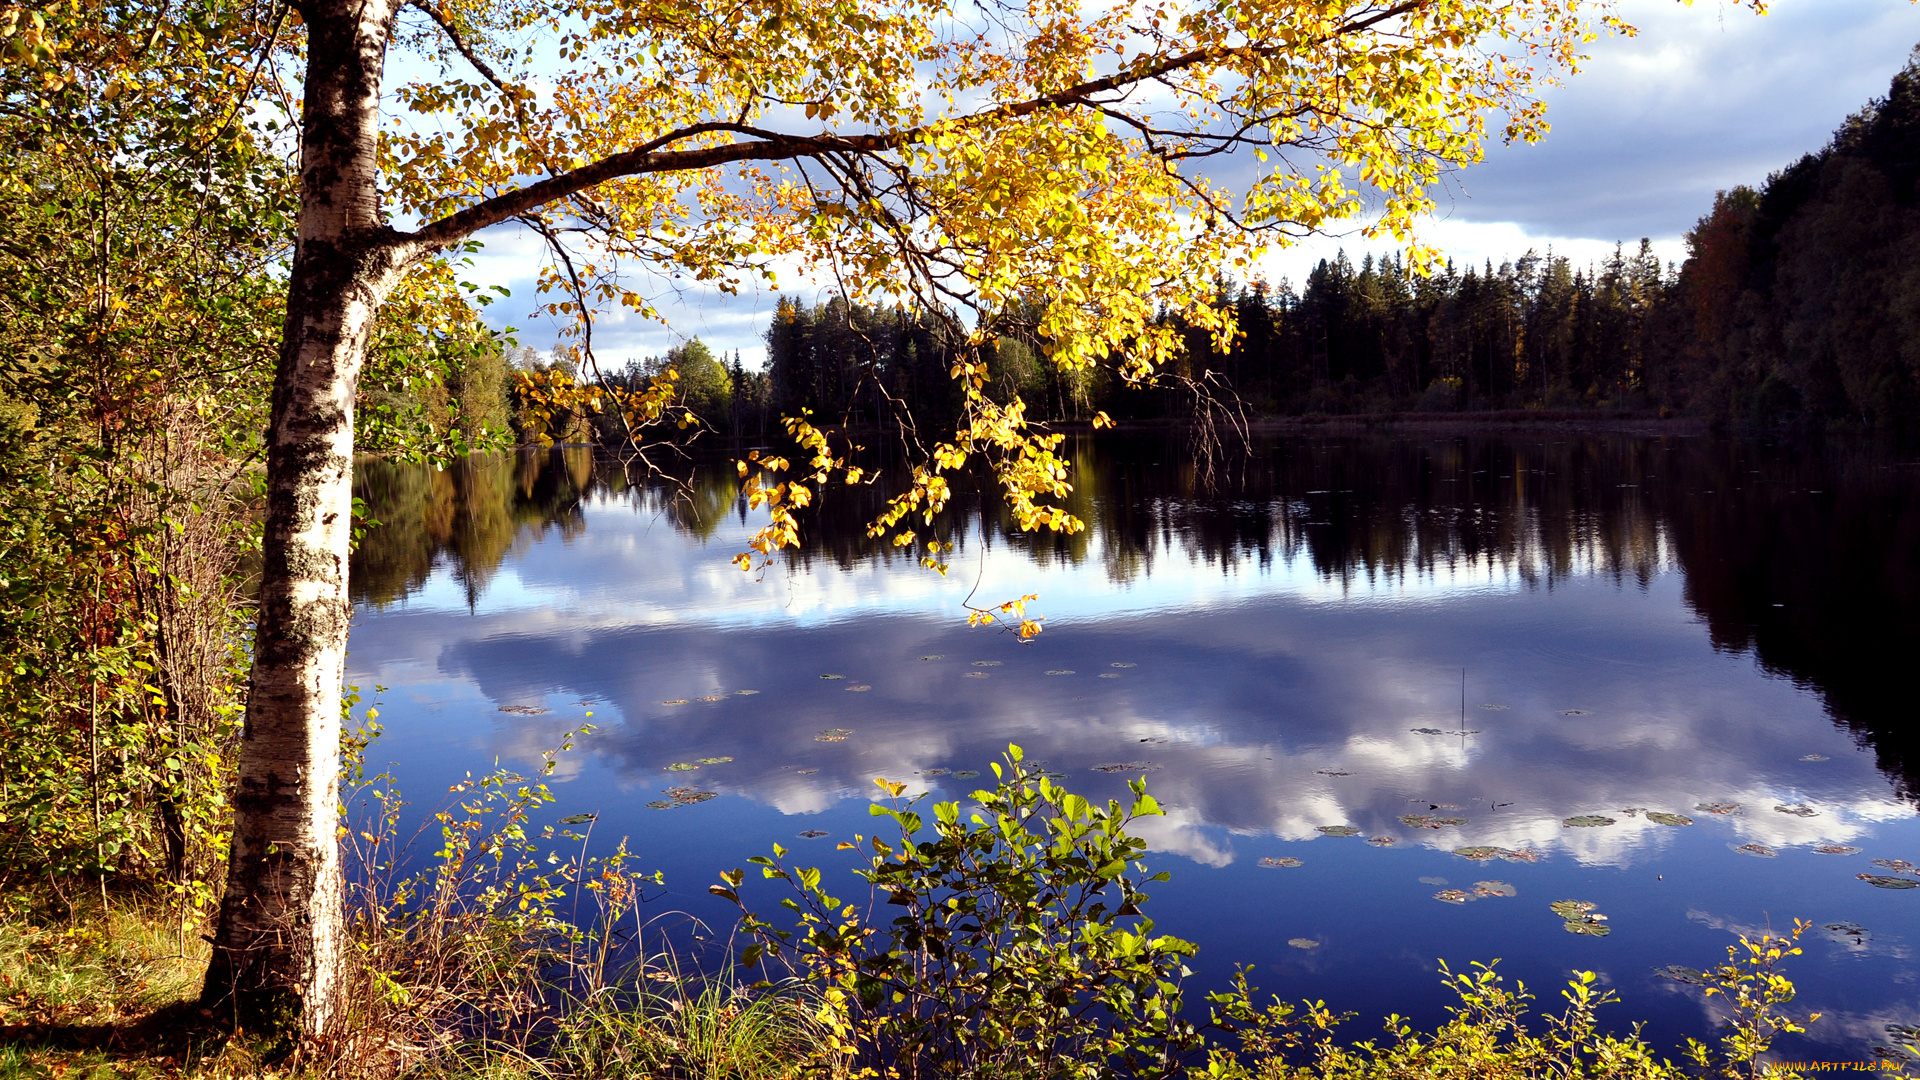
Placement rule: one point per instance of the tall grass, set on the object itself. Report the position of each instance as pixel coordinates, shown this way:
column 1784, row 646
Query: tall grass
column 93, row 961
column 482, row 950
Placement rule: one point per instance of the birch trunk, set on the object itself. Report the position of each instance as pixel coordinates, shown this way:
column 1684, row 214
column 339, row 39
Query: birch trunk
column 277, row 951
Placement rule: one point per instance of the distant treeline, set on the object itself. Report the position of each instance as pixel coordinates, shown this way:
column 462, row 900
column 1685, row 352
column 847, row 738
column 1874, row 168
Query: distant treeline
column 1798, row 302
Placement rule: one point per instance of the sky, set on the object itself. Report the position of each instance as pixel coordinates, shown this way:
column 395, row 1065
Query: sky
column 1706, row 97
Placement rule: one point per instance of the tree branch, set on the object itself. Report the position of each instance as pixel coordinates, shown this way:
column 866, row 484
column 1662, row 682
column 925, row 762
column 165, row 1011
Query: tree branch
column 652, row 158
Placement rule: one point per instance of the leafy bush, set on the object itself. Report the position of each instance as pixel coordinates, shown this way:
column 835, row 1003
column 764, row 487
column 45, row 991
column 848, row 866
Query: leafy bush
column 1019, row 950
column 1487, row 1037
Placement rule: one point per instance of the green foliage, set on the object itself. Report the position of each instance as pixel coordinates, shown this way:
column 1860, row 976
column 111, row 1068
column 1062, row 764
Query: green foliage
column 1488, row 1036
column 140, row 219
column 437, row 381
column 1800, row 295
column 858, row 363
column 705, row 388
column 145, row 224
column 1020, row 948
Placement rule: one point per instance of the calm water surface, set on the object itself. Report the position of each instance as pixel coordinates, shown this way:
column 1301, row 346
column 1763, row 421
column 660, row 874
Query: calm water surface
column 1643, row 625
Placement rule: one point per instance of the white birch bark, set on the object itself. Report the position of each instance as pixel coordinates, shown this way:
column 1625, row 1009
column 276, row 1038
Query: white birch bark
column 277, row 955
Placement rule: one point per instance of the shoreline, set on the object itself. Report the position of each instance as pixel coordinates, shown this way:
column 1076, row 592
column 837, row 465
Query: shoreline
column 1502, row 421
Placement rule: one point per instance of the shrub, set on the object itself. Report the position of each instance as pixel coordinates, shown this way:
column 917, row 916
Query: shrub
column 1019, row 950
column 1488, row 1038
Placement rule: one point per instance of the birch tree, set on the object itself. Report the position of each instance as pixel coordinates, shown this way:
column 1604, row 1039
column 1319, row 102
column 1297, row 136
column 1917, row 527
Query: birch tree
column 1113, row 158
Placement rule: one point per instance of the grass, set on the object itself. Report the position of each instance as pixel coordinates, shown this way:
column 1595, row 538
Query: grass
column 106, row 992
column 93, row 987
column 97, row 963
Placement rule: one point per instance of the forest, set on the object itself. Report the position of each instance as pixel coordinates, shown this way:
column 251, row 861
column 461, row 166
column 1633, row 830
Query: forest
column 186, row 380
column 1798, row 304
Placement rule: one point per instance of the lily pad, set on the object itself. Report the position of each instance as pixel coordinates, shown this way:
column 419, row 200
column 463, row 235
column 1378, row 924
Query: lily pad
column 1124, row 664
column 811, row 834
column 1303, row 943
column 1423, row 821
column 1681, row 973
column 1836, row 849
column 585, row 704
column 675, row 701
column 1494, row 888
column 1898, row 866
column 1757, row 850
column 1383, row 841
column 1426, row 731
column 986, row 663
column 1525, row 855
column 805, row 772
column 1061, row 671
column 976, row 675
column 831, row 676
column 525, row 710
column 714, row 697
column 1576, row 712
column 1814, row 757
column 681, row 796
column 1452, row 896
column 934, row 656
column 1334, row 772
column 745, row 693
column 858, row 689
column 833, row 734
column 1846, row 933
column 1797, row 810
column 965, row 774
column 1283, row 861
column 1587, row 821
column 1339, row 830
column 1661, row 817
column 1125, row 766
column 712, row 760
column 1718, row 807
column 1580, row 918
column 1478, row 853
column 578, row 819
column 682, row 766
column 1888, row 881
column 661, row 804
column 1109, row 675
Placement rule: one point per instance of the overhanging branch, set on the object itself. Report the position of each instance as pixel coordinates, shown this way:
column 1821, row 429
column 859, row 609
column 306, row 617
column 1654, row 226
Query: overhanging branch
column 655, row 157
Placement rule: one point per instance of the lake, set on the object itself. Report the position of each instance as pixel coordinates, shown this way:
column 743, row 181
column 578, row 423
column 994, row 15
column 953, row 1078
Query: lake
column 1669, row 677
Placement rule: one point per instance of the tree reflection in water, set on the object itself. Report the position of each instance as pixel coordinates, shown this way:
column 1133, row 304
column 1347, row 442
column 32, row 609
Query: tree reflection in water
column 1808, row 556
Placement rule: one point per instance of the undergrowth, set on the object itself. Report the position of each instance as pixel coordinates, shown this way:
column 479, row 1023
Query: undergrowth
column 1009, row 945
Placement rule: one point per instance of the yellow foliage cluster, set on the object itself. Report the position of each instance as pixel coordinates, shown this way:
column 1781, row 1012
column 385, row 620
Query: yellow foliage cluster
column 896, row 149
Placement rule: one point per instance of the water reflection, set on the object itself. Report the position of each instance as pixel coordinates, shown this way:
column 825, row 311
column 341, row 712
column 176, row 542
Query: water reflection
column 1806, row 559
column 1643, row 628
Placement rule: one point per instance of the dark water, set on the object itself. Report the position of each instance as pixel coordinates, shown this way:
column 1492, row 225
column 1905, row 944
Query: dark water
column 1643, row 625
